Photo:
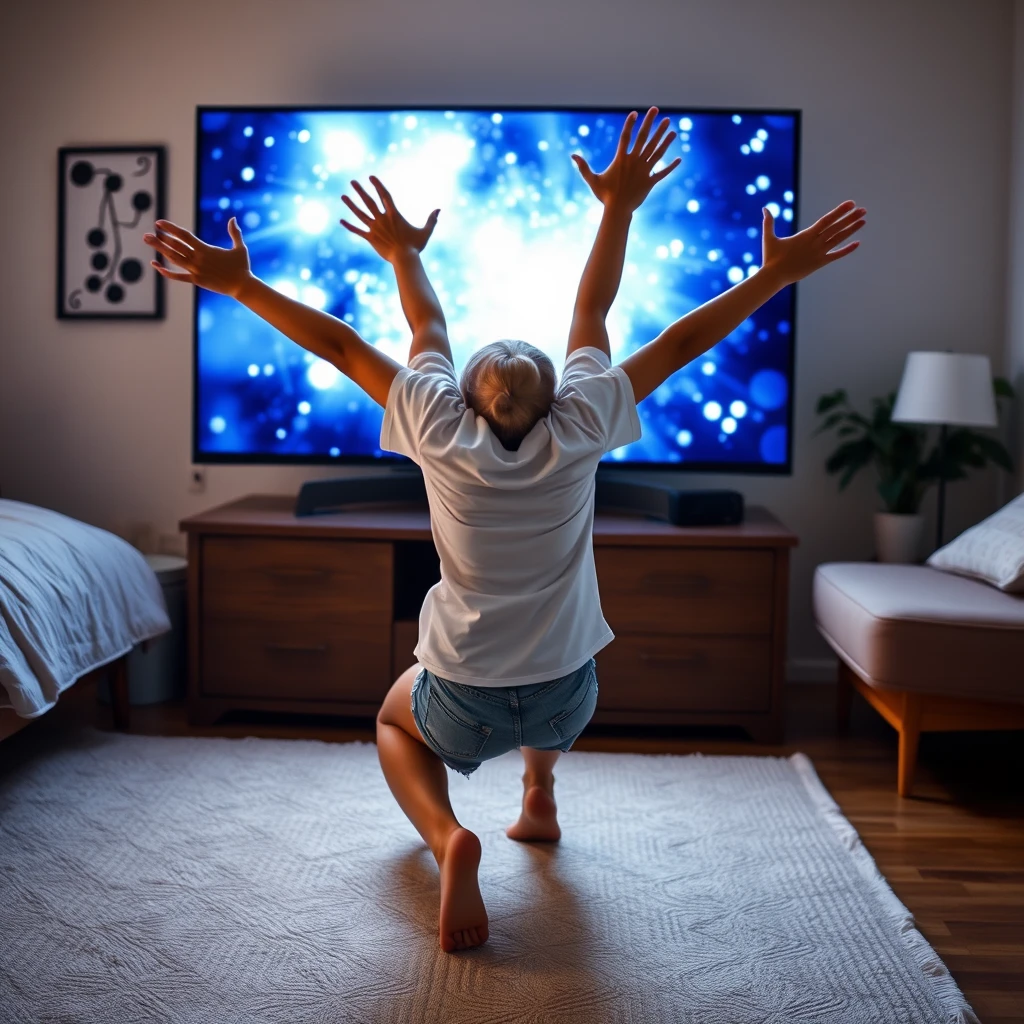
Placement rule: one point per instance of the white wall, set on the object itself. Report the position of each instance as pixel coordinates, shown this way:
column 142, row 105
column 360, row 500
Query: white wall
column 906, row 107
column 1015, row 276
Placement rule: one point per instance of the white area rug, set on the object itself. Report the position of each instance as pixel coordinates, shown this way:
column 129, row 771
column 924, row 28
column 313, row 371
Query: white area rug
column 187, row 880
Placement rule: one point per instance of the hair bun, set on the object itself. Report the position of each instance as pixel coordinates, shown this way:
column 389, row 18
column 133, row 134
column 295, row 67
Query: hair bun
column 503, row 404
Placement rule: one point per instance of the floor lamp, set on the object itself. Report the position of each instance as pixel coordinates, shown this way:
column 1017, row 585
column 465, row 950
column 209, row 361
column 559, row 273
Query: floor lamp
column 949, row 389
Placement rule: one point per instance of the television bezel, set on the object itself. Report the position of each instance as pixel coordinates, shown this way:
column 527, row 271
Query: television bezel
column 204, row 458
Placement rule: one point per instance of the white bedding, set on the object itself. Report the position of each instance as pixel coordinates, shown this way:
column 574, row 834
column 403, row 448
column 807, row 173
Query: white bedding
column 72, row 598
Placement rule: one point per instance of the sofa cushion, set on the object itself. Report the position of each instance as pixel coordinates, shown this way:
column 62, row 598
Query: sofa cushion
column 992, row 551
column 910, row 627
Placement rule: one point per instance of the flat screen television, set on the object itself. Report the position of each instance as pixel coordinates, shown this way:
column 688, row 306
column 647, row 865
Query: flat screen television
column 516, row 225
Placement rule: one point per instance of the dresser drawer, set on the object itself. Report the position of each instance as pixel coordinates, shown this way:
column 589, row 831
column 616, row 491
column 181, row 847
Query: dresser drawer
column 295, row 661
column 706, row 590
column 267, row 580
column 662, row 673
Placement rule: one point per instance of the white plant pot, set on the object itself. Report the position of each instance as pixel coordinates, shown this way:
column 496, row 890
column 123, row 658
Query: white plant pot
column 898, row 537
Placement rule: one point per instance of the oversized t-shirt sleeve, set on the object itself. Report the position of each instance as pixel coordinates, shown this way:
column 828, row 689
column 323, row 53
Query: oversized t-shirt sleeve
column 424, row 397
column 597, row 399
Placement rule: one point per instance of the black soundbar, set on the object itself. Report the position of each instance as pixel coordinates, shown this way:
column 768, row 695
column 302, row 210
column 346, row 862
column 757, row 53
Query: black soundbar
column 319, row 496
column 659, row 501
column 671, row 504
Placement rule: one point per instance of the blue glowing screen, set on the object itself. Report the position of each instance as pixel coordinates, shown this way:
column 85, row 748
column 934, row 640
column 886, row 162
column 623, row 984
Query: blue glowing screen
column 516, row 225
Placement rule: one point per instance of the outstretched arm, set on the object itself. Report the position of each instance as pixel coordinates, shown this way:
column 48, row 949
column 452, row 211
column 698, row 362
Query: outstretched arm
column 621, row 187
column 227, row 271
column 397, row 241
column 784, row 261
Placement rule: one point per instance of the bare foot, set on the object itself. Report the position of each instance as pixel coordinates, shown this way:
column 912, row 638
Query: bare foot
column 539, row 819
column 463, row 916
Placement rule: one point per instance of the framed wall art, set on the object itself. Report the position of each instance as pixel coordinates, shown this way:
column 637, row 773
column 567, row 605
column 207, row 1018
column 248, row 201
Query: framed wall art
column 109, row 197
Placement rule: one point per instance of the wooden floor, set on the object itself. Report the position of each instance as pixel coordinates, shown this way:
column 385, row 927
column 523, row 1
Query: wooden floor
column 954, row 853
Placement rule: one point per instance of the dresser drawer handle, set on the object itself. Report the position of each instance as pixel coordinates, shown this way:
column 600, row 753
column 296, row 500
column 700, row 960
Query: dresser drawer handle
column 297, row 648
column 677, row 661
column 298, row 574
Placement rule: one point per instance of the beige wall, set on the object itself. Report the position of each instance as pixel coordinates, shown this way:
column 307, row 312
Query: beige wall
column 906, row 107
column 1015, row 276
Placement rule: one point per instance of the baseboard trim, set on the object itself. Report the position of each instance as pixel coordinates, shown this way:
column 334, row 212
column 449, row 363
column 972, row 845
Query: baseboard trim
column 811, row 670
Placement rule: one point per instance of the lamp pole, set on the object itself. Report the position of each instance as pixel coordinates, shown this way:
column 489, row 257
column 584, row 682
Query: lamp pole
column 940, row 518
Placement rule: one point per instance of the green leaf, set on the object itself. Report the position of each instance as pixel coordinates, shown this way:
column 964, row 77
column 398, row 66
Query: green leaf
column 830, row 401
column 847, row 477
column 1002, row 387
column 993, row 450
column 850, row 457
column 900, row 495
column 830, row 421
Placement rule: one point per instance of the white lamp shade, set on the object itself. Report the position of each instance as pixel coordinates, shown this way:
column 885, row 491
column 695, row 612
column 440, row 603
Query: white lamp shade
column 946, row 387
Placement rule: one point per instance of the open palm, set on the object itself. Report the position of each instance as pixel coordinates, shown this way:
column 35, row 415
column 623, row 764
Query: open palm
column 386, row 229
column 816, row 246
column 207, row 266
column 629, row 178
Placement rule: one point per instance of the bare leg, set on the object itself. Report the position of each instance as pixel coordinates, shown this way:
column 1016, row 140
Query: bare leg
column 539, row 818
column 419, row 781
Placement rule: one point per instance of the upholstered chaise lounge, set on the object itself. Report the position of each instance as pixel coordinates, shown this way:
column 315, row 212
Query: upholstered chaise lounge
column 930, row 651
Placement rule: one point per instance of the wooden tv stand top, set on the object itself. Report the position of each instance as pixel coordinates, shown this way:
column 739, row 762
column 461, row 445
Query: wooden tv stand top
column 272, row 515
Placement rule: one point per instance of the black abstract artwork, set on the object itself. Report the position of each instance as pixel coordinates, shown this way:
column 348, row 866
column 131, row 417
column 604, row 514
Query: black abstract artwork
column 109, row 198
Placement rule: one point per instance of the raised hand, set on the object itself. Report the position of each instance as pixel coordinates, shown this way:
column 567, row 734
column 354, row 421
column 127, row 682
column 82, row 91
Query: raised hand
column 629, row 178
column 220, row 270
column 795, row 257
column 387, row 230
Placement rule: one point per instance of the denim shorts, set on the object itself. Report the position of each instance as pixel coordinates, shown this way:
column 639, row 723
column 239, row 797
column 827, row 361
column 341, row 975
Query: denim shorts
column 466, row 725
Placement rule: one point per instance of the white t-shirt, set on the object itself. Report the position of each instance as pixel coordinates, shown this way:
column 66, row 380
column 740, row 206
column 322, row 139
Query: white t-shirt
column 518, row 601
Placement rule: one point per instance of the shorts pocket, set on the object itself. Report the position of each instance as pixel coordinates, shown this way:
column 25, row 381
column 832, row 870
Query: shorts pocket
column 568, row 724
column 451, row 733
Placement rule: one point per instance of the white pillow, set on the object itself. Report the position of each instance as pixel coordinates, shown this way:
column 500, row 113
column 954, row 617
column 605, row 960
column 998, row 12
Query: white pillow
column 992, row 551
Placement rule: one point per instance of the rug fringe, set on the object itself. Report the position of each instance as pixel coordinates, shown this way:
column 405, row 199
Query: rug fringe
column 956, row 1007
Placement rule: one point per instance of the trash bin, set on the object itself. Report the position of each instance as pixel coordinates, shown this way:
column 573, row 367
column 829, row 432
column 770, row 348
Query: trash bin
column 158, row 673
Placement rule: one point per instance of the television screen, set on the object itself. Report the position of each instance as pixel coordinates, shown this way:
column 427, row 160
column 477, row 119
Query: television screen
column 517, row 222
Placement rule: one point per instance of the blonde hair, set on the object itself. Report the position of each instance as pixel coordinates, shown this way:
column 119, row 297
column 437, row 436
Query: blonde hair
column 511, row 385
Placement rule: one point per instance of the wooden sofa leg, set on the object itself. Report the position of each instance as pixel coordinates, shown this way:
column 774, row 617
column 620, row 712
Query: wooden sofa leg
column 910, row 733
column 119, row 693
column 844, row 697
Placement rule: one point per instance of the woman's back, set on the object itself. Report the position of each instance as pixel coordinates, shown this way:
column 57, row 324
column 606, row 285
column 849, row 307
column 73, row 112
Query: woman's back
column 518, row 600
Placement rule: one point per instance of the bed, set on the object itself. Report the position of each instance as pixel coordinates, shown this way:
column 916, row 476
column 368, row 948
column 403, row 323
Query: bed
column 73, row 599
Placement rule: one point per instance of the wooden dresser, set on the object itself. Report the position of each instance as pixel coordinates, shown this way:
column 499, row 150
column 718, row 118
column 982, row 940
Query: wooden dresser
column 318, row 615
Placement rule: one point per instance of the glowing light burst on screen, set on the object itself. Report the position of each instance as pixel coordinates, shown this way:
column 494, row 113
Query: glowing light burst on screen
column 517, row 223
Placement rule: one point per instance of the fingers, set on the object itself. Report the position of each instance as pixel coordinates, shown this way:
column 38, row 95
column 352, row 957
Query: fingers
column 626, row 134
column 431, row 223
column 768, row 228
column 841, row 236
column 666, row 171
column 235, row 233
column 645, row 128
column 355, row 231
column 173, row 244
column 385, row 195
column 655, row 140
column 364, row 217
column 170, row 274
column 844, row 222
column 371, row 203
column 662, row 148
column 155, row 242
column 584, row 168
column 840, row 253
column 823, row 223
column 177, row 231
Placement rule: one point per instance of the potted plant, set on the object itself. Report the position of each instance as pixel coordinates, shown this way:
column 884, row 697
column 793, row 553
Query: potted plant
column 905, row 467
